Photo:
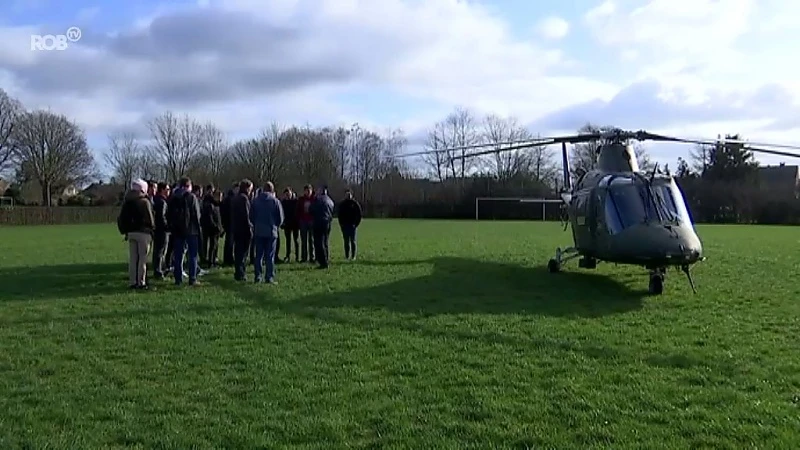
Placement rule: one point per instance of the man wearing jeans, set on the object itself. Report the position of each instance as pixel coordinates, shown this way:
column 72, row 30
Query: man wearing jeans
column 322, row 211
column 184, row 221
column 349, row 220
column 266, row 214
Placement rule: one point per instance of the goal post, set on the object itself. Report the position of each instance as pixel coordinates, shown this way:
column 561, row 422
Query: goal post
column 517, row 208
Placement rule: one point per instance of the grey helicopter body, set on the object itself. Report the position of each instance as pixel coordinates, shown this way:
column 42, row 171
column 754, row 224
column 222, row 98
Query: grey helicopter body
column 619, row 213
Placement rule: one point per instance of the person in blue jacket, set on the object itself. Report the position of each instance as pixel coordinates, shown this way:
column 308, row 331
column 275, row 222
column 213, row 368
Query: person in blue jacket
column 266, row 214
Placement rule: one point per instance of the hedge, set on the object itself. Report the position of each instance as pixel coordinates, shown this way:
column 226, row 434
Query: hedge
column 60, row 215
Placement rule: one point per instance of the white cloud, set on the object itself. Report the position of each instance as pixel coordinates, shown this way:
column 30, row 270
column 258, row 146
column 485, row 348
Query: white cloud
column 711, row 66
column 553, row 28
column 246, row 63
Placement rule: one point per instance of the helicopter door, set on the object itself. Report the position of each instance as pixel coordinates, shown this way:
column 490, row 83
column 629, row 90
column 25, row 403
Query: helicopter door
column 583, row 216
column 592, row 219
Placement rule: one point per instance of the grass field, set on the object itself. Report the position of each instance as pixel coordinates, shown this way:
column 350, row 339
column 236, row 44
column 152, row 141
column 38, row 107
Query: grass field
column 443, row 335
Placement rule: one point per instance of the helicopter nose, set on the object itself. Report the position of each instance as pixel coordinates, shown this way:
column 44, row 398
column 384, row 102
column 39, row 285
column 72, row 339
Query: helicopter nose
column 685, row 248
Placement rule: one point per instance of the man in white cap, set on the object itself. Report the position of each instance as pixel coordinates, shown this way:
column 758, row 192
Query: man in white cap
column 136, row 222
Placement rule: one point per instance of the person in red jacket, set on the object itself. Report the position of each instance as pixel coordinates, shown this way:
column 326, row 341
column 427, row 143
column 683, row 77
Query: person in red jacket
column 306, row 221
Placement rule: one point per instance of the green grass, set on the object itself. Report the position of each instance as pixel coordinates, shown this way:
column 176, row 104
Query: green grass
column 443, row 335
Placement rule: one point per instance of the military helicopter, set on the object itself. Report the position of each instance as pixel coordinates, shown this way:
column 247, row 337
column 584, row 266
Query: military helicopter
column 618, row 213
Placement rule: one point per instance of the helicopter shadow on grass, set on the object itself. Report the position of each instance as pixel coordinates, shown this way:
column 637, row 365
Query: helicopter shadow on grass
column 65, row 281
column 463, row 286
column 466, row 286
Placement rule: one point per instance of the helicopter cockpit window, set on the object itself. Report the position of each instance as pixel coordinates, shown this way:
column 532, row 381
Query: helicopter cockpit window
column 662, row 194
column 680, row 203
column 628, row 204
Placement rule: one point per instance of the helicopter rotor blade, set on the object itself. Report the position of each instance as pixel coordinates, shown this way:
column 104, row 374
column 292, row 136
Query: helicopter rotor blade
column 613, row 134
column 506, row 146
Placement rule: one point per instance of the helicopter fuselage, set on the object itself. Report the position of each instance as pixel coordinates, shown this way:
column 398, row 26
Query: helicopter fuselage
column 632, row 218
column 622, row 215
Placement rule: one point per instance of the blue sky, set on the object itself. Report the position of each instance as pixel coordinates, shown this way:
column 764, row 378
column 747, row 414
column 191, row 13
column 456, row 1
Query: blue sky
column 693, row 68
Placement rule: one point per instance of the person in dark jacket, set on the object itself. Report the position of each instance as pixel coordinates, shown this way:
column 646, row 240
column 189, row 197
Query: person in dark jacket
column 184, row 220
column 322, row 213
column 349, row 220
column 306, row 222
column 136, row 222
column 291, row 227
column 225, row 212
column 211, row 219
column 161, row 230
column 242, row 228
column 197, row 191
column 252, row 195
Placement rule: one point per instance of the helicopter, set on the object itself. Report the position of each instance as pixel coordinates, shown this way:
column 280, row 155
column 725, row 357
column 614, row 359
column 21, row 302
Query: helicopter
column 618, row 213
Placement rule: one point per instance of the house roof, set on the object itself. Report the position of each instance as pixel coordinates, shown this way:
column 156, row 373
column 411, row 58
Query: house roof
column 782, row 174
column 103, row 190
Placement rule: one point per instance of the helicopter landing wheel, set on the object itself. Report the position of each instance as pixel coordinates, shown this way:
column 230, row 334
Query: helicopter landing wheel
column 656, row 284
column 553, row 266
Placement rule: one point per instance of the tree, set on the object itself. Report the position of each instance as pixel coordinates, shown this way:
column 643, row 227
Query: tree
column 176, row 143
column 458, row 129
column 10, row 109
column 463, row 130
column 123, row 157
column 437, row 161
column 265, row 157
column 498, row 130
column 701, row 158
column 212, row 160
column 53, row 150
column 643, row 157
column 584, row 156
column 730, row 161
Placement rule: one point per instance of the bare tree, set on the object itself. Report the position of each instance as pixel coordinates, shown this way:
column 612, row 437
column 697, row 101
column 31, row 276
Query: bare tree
column 643, row 157
column 584, row 156
column 213, row 158
column 366, row 155
column 263, row 158
column 701, row 156
column 437, row 161
column 536, row 161
column 462, row 129
column 123, row 156
column 176, row 142
column 150, row 167
column 340, row 139
column 10, row 109
column 54, row 151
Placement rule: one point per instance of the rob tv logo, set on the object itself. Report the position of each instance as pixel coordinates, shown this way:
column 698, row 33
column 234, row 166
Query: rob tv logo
column 48, row 42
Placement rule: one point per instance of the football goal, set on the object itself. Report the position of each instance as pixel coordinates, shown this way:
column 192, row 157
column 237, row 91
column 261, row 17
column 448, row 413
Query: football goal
column 517, row 208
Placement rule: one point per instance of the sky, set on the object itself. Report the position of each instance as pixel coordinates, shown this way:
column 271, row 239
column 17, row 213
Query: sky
column 695, row 68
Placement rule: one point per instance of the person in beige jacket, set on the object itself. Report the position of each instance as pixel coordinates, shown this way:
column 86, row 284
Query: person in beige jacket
column 136, row 222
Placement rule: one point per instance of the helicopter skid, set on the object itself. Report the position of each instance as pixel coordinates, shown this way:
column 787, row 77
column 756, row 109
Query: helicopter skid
column 562, row 256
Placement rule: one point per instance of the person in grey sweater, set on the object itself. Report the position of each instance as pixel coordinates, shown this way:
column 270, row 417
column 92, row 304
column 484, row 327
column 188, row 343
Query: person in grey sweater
column 266, row 214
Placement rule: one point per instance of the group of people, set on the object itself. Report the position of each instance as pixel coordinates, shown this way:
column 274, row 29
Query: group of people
column 185, row 222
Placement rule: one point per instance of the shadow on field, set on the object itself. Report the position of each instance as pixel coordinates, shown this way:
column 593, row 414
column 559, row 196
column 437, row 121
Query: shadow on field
column 64, row 281
column 464, row 286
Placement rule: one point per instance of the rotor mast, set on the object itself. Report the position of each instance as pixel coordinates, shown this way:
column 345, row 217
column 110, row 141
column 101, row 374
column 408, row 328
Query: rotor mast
column 615, row 154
